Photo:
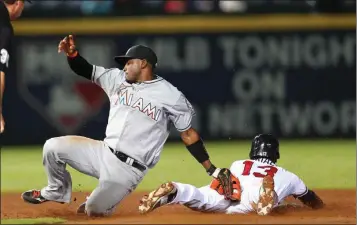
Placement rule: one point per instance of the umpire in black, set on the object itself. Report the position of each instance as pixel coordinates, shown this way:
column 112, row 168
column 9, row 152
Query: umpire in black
column 9, row 10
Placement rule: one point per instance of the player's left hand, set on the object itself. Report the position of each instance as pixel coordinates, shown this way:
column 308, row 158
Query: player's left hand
column 227, row 184
column 67, row 46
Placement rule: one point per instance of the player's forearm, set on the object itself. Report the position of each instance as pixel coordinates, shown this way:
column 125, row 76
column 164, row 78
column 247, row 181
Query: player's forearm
column 2, row 88
column 80, row 66
column 207, row 164
column 194, row 144
column 312, row 200
column 190, row 136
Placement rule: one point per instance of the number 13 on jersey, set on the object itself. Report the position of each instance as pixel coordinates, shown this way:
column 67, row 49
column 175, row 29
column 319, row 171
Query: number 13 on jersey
column 262, row 172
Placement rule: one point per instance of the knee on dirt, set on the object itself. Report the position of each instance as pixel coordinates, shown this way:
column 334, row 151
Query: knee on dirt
column 93, row 210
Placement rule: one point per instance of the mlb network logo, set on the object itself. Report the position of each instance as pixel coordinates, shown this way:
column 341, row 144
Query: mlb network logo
column 47, row 84
column 66, row 105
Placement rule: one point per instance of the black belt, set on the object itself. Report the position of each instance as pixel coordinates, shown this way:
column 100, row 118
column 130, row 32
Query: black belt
column 128, row 160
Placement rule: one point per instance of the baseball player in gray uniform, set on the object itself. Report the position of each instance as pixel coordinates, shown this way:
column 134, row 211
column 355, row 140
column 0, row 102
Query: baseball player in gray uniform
column 142, row 108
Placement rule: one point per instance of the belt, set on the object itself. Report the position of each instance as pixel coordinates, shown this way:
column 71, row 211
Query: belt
column 128, row 160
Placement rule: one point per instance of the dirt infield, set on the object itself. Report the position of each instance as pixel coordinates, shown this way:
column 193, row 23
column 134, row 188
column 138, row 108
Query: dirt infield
column 340, row 209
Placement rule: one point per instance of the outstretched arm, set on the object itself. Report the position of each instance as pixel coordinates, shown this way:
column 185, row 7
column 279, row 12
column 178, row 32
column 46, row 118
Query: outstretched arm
column 105, row 78
column 181, row 114
column 76, row 62
column 311, row 199
column 306, row 196
column 195, row 146
column 80, row 66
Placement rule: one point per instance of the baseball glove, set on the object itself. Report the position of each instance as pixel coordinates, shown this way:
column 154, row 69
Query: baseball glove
column 230, row 189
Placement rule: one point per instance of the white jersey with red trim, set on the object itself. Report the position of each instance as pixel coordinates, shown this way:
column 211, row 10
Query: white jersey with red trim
column 250, row 174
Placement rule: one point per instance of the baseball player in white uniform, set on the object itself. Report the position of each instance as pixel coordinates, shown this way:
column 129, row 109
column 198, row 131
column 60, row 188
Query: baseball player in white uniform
column 263, row 186
column 143, row 107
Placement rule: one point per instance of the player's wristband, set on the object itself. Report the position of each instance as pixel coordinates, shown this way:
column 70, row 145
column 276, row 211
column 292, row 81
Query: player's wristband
column 73, row 54
column 213, row 171
column 198, row 151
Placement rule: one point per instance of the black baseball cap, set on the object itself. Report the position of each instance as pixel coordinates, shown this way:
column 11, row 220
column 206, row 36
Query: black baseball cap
column 137, row 52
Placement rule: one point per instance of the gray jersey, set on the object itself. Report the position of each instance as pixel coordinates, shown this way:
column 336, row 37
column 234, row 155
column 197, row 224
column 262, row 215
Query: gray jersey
column 141, row 113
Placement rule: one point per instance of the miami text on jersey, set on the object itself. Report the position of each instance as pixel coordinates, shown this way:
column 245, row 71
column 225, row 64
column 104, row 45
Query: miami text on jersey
column 126, row 99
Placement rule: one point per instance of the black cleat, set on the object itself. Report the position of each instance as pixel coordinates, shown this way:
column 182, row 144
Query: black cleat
column 33, row 197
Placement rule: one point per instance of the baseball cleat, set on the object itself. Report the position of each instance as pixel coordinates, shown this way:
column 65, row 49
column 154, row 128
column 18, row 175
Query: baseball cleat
column 267, row 197
column 159, row 197
column 33, row 196
column 82, row 208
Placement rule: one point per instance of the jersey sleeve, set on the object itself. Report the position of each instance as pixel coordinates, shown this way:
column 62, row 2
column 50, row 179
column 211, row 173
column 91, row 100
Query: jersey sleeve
column 181, row 114
column 298, row 187
column 5, row 38
column 107, row 79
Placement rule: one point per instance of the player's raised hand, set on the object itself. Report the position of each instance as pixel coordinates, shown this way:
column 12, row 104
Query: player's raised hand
column 67, row 46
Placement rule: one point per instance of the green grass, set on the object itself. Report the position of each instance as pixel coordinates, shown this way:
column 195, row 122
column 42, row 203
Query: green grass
column 33, row 221
column 320, row 164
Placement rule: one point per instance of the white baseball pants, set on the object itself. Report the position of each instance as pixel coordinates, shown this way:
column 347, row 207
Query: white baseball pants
column 91, row 157
column 205, row 199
